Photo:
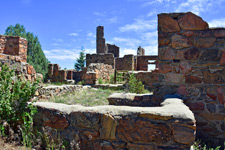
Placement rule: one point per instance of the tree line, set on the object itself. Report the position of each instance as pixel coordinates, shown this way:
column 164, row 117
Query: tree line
column 35, row 54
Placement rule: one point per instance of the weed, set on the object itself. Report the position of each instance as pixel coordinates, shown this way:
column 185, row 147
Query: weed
column 135, row 86
column 14, row 109
column 91, row 97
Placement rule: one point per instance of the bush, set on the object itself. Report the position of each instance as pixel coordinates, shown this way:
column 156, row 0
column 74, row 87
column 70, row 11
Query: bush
column 14, row 95
column 135, row 86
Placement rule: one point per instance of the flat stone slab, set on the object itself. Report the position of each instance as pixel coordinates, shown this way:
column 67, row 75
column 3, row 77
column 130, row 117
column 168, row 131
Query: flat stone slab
column 169, row 109
column 109, row 86
column 131, row 99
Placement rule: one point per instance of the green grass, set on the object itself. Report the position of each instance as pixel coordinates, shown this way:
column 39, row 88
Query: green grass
column 91, row 97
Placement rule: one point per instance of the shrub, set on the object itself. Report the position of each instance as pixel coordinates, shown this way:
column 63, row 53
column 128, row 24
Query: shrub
column 135, row 86
column 100, row 81
column 14, row 95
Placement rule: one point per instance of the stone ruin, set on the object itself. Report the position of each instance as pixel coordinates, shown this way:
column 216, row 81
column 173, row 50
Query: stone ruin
column 109, row 54
column 89, row 75
column 190, row 65
column 55, row 74
column 13, row 51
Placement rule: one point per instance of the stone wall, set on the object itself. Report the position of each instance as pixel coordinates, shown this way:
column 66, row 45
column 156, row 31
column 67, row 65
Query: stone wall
column 100, row 58
column 140, row 51
column 192, row 64
column 171, row 126
column 125, row 63
column 142, row 62
column 100, row 40
column 15, row 46
column 113, row 49
column 13, row 52
column 53, row 90
column 55, row 74
column 22, row 69
column 96, row 71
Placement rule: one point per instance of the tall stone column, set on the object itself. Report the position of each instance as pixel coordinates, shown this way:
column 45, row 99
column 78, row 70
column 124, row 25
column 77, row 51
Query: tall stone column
column 100, row 41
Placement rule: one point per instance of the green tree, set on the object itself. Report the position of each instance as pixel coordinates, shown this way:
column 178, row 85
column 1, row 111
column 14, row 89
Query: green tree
column 35, row 55
column 80, row 62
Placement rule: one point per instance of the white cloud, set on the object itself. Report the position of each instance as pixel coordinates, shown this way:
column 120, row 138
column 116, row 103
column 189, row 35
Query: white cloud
column 73, row 34
column 113, row 20
column 151, row 49
column 148, row 3
column 197, row 6
column 99, row 14
column 139, row 25
column 126, row 51
column 58, row 40
column 90, row 34
column 62, row 54
column 131, row 42
column 217, row 23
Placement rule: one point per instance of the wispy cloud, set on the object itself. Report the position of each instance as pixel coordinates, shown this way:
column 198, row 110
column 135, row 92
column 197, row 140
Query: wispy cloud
column 139, row 25
column 62, row 54
column 217, row 23
column 131, row 42
column 58, row 40
column 198, row 6
column 126, row 51
column 100, row 14
column 113, row 20
column 90, row 34
column 73, row 34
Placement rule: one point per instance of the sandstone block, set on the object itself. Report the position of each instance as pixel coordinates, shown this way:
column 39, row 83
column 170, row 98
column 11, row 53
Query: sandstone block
column 143, row 131
column 192, row 22
column 183, row 134
column 174, row 78
column 212, row 77
column 132, row 146
column 164, row 68
column 182, row 90
column 108, row 127
column 212, row 116
column 191, row 54
column 163, row 41
column 192, row 79
column 166, row 53
column 204, row 42
column 167, row 24
column 185, row 67
column 222, row 59
column 85, row 120
column 188, row 33
column 219, row 33
column 178, row 42
column 198, row 106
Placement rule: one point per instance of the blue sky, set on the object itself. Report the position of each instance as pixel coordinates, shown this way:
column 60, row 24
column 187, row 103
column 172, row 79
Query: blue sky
column 65, row 26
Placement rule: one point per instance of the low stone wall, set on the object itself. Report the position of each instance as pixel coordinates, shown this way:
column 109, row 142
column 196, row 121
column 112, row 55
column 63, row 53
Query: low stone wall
column 171, row 126
column 131, row 99
column 50, row 91
column 96, row 71
column 109, row 86
column 22, row 69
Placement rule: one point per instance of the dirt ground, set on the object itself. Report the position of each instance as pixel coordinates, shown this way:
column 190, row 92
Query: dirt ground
column 10, row 146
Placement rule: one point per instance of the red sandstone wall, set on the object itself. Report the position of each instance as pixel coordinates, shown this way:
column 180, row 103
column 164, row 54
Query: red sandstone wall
column 125, row 63
column 142, row 62
column 15, row 46
column 192, row 64
column 100, row 58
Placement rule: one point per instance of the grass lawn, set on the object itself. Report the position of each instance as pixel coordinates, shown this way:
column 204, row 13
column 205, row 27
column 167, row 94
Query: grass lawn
column 91, row 97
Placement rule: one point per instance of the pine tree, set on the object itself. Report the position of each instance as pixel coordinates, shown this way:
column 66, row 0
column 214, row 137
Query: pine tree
column 35, row 55
column 80, row 62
